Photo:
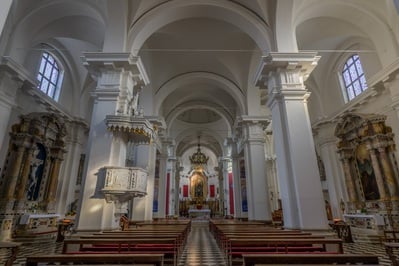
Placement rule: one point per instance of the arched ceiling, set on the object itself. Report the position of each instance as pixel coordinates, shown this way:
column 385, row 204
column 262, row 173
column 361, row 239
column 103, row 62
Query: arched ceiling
column 199, row 77
column 201, row 55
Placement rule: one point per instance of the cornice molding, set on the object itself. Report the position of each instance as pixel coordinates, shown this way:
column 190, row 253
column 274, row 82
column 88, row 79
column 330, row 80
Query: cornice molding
column 96, row 62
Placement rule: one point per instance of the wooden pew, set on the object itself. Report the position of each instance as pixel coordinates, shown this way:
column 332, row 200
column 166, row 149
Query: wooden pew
column 264, row 259
column 126, row 224
column 180, row 240
column 392, row 250
column 14, row 247
column 153, row 259
column 224, row 242
column 166, row 246
column 236, row 247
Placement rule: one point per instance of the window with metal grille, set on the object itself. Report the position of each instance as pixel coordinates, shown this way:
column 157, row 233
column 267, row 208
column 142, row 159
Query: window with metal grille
column 353, row 77
column 49, row 76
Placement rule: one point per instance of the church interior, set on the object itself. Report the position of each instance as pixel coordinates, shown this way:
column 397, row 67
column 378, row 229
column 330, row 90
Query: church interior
column 201, row 114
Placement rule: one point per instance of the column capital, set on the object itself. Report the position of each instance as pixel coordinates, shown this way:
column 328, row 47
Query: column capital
column 303, row 62
column 97, row 62
column 252, row 128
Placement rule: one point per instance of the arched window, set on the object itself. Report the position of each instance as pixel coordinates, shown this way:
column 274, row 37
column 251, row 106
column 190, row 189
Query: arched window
column 50, row 76
column 353, row 77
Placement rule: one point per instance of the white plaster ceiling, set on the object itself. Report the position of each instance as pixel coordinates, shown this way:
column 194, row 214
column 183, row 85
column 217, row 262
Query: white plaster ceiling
column 200, row 55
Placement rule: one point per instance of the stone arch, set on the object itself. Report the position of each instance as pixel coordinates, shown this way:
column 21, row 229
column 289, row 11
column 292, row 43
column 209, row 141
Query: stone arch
column 187, row 78
column 171, row 11
column 371, row 24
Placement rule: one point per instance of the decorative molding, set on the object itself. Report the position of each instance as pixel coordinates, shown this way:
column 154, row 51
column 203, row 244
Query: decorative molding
column 137, row 129
column 305, row 62
column 18, row 72
column 97, row 62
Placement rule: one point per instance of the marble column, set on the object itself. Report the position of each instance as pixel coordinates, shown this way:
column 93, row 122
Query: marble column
column 21, row 193
column 349, row 182
column 12, row 176
column 6, row 105
column 71, row 172
column 5, row 6
column 162, row 185
column 56, row 159
column 378, row 174
column 301, row 190
column 255, row 170
column 335, row 177
column 117, row 75
column 389, row 174
column 223, row 175
column 238, row 212
column 177, row 186
column 145, row 158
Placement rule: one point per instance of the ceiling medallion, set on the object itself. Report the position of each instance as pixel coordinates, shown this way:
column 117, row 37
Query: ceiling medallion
column 198, row 158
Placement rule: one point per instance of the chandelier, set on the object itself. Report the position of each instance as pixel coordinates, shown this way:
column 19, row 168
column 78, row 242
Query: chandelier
column 198, row 158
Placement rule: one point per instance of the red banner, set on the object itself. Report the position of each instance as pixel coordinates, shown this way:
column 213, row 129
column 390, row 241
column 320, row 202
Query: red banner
column 212, row 191
column 185, row 191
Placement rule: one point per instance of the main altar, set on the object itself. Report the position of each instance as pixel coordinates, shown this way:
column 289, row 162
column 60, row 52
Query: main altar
column 195, row 213
column 198, row 207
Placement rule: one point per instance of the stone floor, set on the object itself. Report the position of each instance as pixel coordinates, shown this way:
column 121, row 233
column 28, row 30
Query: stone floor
column 201, row 249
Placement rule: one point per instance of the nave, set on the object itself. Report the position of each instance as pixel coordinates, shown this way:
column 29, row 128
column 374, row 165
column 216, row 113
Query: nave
column 201, row 249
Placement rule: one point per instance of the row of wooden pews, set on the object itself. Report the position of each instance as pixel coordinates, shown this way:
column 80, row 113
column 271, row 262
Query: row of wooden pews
column 251, row 243
column 154, row 243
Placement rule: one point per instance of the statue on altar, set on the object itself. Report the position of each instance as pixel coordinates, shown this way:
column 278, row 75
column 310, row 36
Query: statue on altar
column 198, row 190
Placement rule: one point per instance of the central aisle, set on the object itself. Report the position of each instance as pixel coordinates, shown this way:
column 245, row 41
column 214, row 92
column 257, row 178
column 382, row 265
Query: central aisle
column 201, row 248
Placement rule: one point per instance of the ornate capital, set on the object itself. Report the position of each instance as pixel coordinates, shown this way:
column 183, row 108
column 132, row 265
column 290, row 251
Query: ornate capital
column 137, row 129
column 98, row 62
column 252, row 127
column 303, row 63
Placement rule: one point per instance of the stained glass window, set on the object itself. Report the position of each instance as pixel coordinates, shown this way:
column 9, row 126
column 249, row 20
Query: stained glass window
column 353, row 77
column 49, row 76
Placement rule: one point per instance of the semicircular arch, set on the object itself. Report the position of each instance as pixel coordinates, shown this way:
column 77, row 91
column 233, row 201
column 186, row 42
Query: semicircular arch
column 188, row 78
column 206, row 137
column 192, row 105
column 365, row 19
column 172, row 11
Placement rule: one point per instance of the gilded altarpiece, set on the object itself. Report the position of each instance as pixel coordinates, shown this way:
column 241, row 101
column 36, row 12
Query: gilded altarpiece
column 29, row 177
column 366, row 150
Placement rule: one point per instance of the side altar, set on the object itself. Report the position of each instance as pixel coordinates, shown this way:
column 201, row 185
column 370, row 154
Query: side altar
column 366, row 227
column 37, row 224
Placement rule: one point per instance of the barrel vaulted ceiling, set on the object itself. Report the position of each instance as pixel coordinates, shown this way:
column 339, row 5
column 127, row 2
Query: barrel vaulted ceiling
column 201, row 55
